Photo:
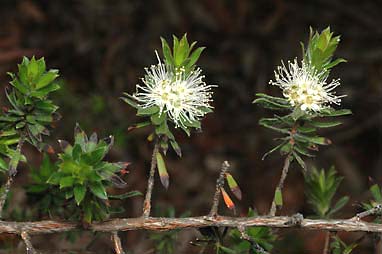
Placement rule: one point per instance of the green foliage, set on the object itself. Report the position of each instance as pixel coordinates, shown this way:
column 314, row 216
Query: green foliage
column 30, row 112
column 320, row 50
column 321, row 186
column 83, row 175
column 339, row 247
column 299, row 129
column 182, row 54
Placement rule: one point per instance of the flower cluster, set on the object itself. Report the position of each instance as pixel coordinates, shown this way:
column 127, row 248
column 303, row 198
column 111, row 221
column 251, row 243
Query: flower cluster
column 182, row 95
column 305, row 87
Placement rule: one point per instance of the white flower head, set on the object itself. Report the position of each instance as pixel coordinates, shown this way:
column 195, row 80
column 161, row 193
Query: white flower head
column 305, row 87
column 182, row 96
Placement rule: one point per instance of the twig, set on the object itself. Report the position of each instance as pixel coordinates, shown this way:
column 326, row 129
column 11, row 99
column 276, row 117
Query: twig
column 11, row 174
column 327, row 242
column 375, row 210
column 27, row 240
column 284, row 173
column 219, row 184
column 160, row 224
column 254, row 244
column 117, row 243
column 150, row 183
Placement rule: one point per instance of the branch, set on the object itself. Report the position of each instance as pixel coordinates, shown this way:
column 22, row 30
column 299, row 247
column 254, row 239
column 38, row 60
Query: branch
column 254, row 244
column 117, row 243
column 219, row 184
column 28, row 243
column 272, row 211
column 150, row 183
column 11, row 174
column 160, row 224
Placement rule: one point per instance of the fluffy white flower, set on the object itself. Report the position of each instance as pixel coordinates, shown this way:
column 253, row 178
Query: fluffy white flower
column 183, row 96
column 304, row 87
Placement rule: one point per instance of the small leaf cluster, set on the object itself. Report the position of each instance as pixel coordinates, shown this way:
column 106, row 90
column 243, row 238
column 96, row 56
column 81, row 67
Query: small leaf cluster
column 321, row 186
column 83, row 175
column 182, row 54
column 320, row 50
column 30, row 112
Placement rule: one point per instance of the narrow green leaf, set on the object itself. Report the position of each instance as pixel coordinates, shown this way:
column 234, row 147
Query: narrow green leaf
column 233, row 186
column 66, row 181
column 126, row 195
column 3, row 165
column 324, row 124
column 376, row 192
column 163, row 174
column 46, row 79
column 195, row 56
column 79, row 193
column 98, row 189
column 278, row 197
column 147, row 111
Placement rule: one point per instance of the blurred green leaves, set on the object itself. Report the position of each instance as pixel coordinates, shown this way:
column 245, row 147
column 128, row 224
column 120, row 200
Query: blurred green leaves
column 321, row 186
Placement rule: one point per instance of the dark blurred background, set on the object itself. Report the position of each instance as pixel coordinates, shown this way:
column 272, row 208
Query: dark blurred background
column 101, row 48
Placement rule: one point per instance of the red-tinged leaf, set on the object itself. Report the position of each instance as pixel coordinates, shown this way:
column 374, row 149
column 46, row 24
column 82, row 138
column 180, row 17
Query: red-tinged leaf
column 233, row 186
column 227, row 200
column 49, row 149
column 164, row 177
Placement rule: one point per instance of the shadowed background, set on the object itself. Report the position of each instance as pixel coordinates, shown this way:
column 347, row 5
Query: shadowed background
column 101, row 48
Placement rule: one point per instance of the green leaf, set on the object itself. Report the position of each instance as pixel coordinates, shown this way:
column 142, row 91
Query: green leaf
column 46, row 79
column 233, row 186
column 324, row 124
column 274, row 149
column 98, row 189
column 3, row 165
column 332, row 112
column 339, row 205
column 299, row 160
column 167, row 52
column 163, row 174
column 66, row 181
column 147, row 111
column 79, row 193
column 195, row 56
column 176, row 147
column 376, row 192
column 126, row 195
column 129, row 100
column 158, row 118
column 278, row 197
